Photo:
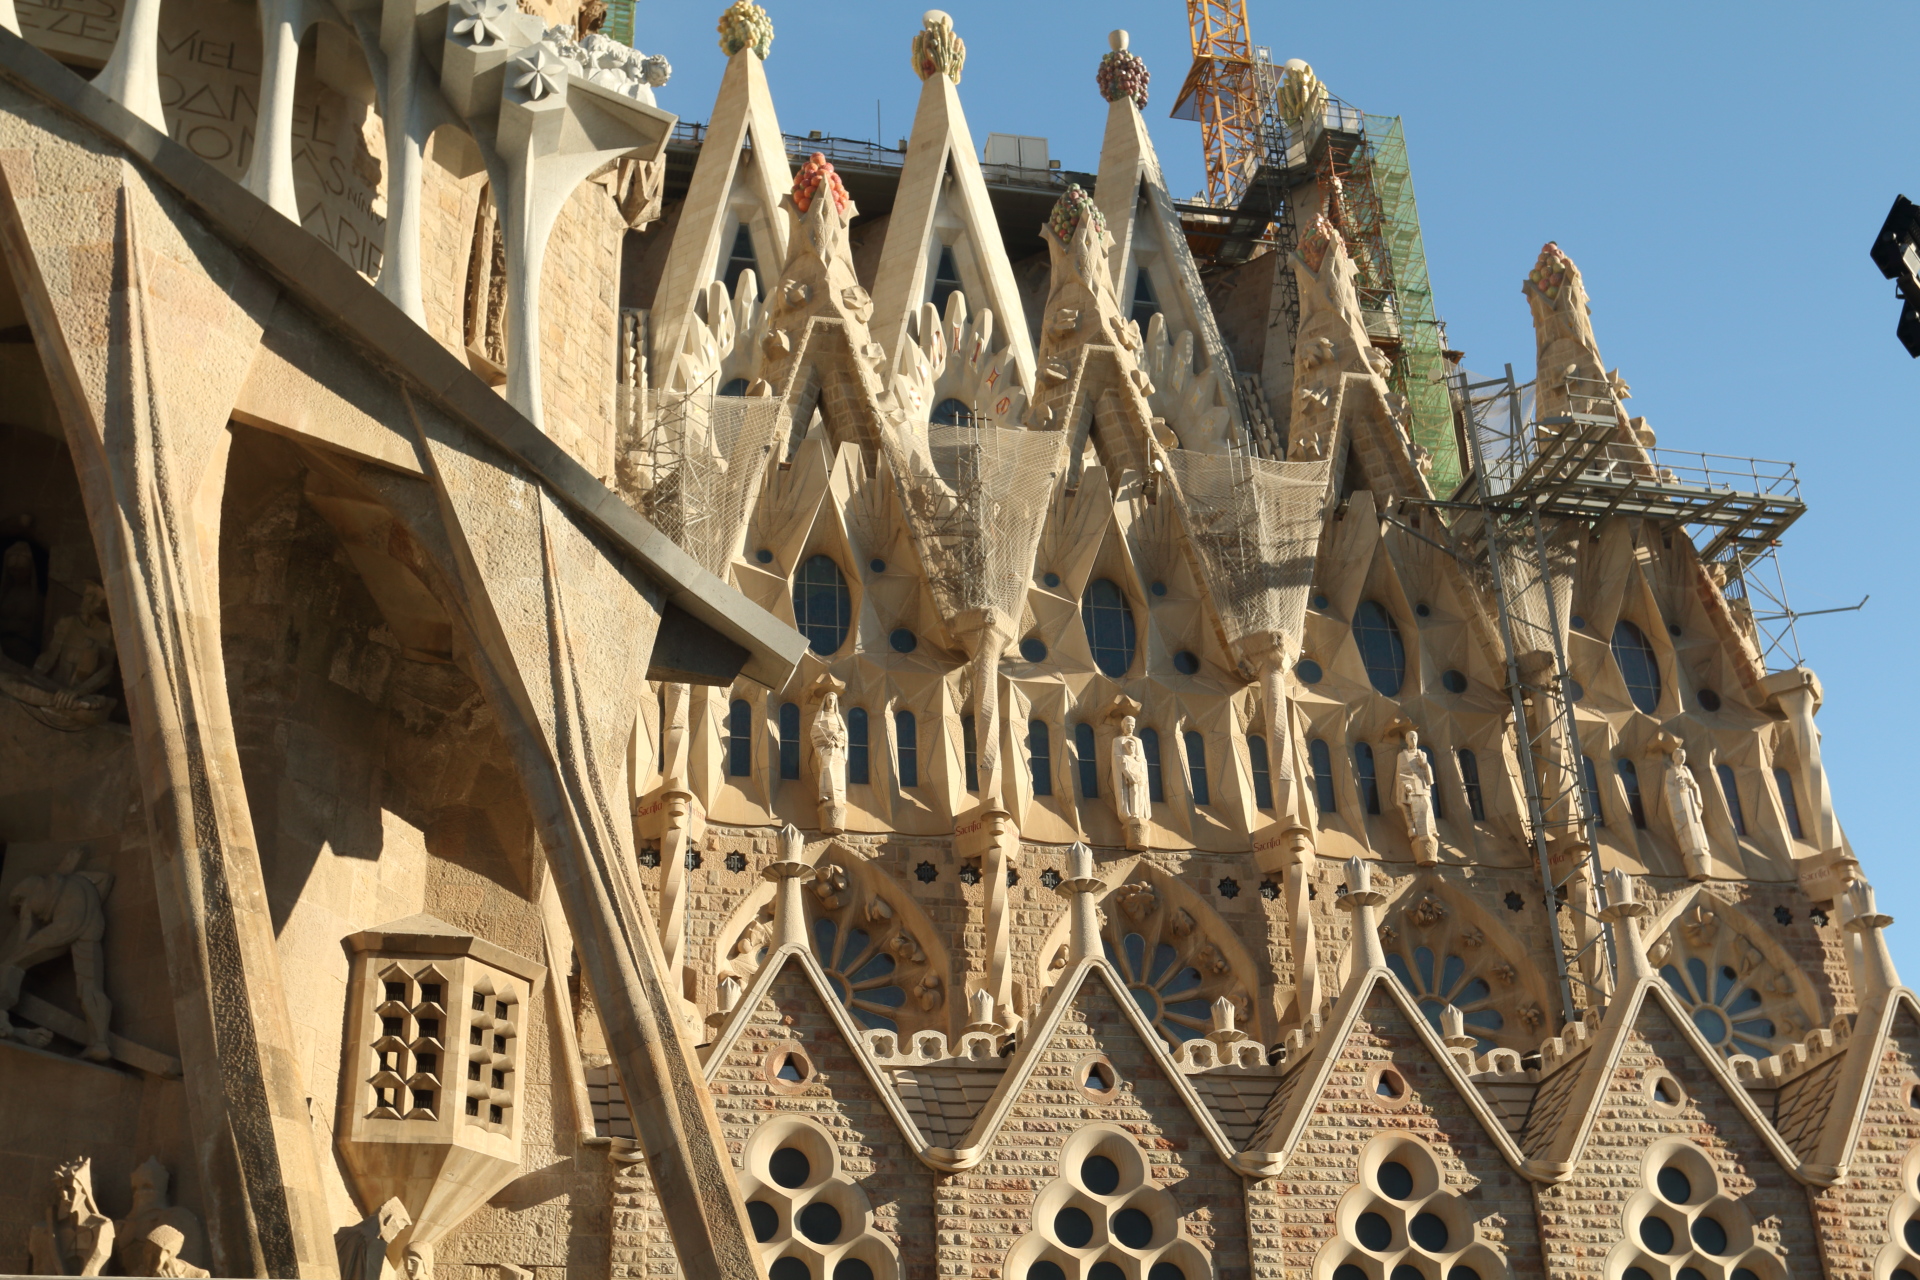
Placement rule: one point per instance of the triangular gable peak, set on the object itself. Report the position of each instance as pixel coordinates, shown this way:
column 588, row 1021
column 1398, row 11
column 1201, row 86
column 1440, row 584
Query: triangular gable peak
column 941, row 209
column 1871, row 1141
column 1652, row 1129
column 1148, row 243
column 737, row 184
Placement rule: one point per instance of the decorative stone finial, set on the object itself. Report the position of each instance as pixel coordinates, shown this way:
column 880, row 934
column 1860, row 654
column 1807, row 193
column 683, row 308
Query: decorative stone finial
column 745, row 25
column 729, row 994
column 1453, row 1030
column 1079, row 889
column 1624, row 911
column 1361, row 898
column 980, row 1019
column 1301, row 96
column 936, row 49
column 1223, row 1032
column 1073, row 205
column 1122, row 74
column 1549, row 275
column 815, row 174
column 1877, row 975
column 788, row 874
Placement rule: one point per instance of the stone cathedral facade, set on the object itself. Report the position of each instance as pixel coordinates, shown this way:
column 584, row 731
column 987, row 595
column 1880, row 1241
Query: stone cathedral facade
column 587, row 695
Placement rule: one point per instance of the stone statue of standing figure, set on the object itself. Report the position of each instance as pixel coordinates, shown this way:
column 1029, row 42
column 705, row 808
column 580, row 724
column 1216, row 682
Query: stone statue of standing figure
column 1689, row 816
column 829, row 735
column 59, row 914
column 1413, row 791
column 73, row 1238
column 1132, row 794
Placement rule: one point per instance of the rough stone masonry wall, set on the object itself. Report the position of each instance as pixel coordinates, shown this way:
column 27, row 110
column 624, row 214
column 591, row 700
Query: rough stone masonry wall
column 1858, row 1217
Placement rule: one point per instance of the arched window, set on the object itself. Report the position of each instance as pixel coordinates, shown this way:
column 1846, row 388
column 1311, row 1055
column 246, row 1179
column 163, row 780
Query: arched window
column 1145, row 304
column 1731, row 790
column 1109, row 623
column 739, row 739
column 906, row 746
column 1085, row 755
column 1197, row 767
column 1320, row 761
column 734, row 387
column 1381, row 649
column 822, row 605
column 1262, row 775
column 1639, row 665
column 741, row 258
column 970, row 751
column 1369, row 782
column 789, row 740
column 1789, row 802
column 1590, row 787
column 1150, row 748
column 1630, row 779
column 1433, row 795
column 952, row 413
column 1470, row 776
column 858, row 772
column 1040, row 757
column 946, row 280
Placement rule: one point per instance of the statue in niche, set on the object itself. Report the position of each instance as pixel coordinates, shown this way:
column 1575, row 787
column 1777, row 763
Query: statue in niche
column 22, row 604
column 1413, row 790
column 74, row 1238
column 152, row 1238
column 1132, row 795
column 829, row 735
column 1689, row 815
column 362, row 1247
column 59, row 914
column 62, row 689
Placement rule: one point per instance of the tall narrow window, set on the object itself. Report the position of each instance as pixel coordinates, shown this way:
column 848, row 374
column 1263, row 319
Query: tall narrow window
column 1040, row 757
column 822, row 605
column 1439, row 811
column 1369, row 783
column 1381, row 648
column 1731, row 790
column 1197, row 767
column 1590, row 788
column 739, row 739
column 1783, row 779
column 1320, row 760
column 1639, row 665
column 906, row 746
column 1470, row 776
column 661, row 702
column 1150, row 748
column 946, row 279
column 1262, row 775
column 1087, row 758
column 741, row 258
column 1145, row 305
column 858, row 772
column 1110, row 629
column 1630, row 779
column 970, row 751
column 789, row 740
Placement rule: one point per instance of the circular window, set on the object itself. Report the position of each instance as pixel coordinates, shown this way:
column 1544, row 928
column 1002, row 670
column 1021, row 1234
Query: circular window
column 1656, row 1234
column 1099, row 1078
column 764, row 556
column 1051, row 579
column 1132, row 1228
column 820, row 1223
column 1429, row 1232
column 822, row 605
column 1110, row 628
column 1046, row 1271
column 1381, row 648
column 1639, row 665
column 1309, row 671
column 789, row 1269
column 1463, row 1273
column 1423, row 609
column 1575, row 690
column 1395, row 1180
column 789, row 1167
column 1372, row 1231
column 1710, row 1235
column 1635, row 1273
column 1674, row 1185
column 1106, row 1271
column 764, row 1219
column 1033, row 649
column 1158, row 588
column 1072, row 1227
column 1165, row 1271
column 1913, row 1097
column 1673, row 629
column 951, row 413
column 1454, row 681
column 1665, row 1091
column 1708, row 700
column 877, row 565
column 1186, row 662
column 1320, row 602
column 1100, row 1175
column 1579, row 623
column 903, row 640
column 854, row 1269
column 1388, row 1085
column 1912, row 1234
column 1690, row 1273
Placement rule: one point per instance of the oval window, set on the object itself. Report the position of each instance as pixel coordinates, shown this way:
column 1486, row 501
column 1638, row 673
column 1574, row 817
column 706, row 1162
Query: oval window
column 822, row 605
column 1381, row 648
column 1110, row 628
column 1639, row 665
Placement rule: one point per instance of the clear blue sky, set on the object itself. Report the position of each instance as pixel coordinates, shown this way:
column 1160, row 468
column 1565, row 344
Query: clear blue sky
column 1717, row 171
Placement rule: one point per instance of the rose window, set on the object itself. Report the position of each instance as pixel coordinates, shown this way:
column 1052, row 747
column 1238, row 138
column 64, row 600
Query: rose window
column 1436, row 982
column 861, row 974
column 1172, row 970
column 1682, row 1224
column 1741, row 1002
column 1442, row 959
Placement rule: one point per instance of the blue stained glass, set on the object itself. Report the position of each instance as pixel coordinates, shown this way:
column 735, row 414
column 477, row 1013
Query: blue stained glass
column 1759, row 1028
column 739, row 739
column 1789, row 801
column 822, row 605
column 906, row 745
column 1697, row 977
column 1088, row 760
column 1040, row 757
column 873, row 1022
column 1190, row 1009
column 1369, row 785
column 1136, row 947
column 1748, row 999
column 1423, row 961
column 1490, row 1019
column 1474, row 991
column 892, row 997
column 1320, row 761
column 1639, row 665
column 858, row 772
column 1451, row 972
column 1398, row 963
column 1262, row 775
column 1185, row 980
column 1149, row 1003
column 824, row 932
column 1150, row 748
column 1381, row 648
column 1163, row 958
column 1197, row 767
column 1110, row 627
column 878, row 967
column 1711, row 1024
column 1731, row 790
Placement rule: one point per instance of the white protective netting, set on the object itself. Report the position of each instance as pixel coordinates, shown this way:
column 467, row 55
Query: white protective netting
column 700, row 468
column 980, row 523
column 1255, row 524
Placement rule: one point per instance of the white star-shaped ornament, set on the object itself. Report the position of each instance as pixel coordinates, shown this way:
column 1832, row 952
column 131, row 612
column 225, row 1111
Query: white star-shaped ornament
column 483, row 21
column 541, row 72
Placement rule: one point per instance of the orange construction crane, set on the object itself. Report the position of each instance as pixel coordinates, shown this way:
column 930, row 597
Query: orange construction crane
column 1223, row 92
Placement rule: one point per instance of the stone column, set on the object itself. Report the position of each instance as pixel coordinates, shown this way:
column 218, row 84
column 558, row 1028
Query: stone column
column 1361, row 898
column 1876, row 974
column 1624, row 912
column 1080, row 889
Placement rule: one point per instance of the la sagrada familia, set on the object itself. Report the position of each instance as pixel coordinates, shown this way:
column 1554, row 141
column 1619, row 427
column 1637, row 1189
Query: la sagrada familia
column 593, row 696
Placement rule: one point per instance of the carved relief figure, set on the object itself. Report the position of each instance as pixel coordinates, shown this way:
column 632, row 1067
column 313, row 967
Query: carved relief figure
column 1413, row 790
column 1132, row 796
column 152, row 1238
column 62, row 689
column 59, row 914
column 362, row 1247
column 830, row 752
column 1689, row 826
column 74, row 1238
column 157, row 1254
